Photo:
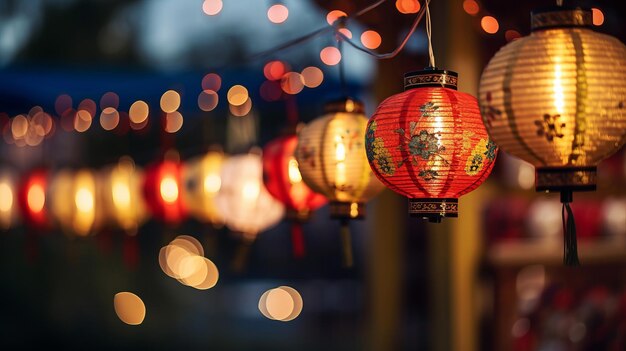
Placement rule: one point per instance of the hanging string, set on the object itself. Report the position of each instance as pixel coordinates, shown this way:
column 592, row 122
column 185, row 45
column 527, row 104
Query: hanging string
column 346, row 243
column 342, row 69
column 431, row 55
column 570, row 247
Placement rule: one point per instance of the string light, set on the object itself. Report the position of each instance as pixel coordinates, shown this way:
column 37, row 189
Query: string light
column 408, row 6
column 471, row 7
column 371, row 39
column 334, row 15
column 212, row 7
column 330, row 55
column 278, row 13
column 489, row 24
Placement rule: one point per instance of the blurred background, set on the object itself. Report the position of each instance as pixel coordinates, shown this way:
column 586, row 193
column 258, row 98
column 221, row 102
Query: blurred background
column 152, row 81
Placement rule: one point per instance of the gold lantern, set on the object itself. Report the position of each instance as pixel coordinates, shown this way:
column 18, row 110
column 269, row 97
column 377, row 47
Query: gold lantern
column 201, row 183
column 332, row 160
column 74, row 201
column 8, row 201
column 120, row 192
column 556, row 99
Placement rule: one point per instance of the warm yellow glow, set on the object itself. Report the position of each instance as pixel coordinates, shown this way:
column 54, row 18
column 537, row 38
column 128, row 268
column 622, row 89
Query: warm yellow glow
column 279, row 304
column 340, row 157
column 237, row 95
column 212, row 183
column 598, row 16
column 292, row 83
column 298, row 304
column 170, row 101
column 129, row 308
column 346, row 32
column 251, row 190
column 189, row 244
column 6, row 197
column 211, row 278
column 340, row 149
column 312, row 76
column 169, row 189
column 354, row 210
column 294, row 172
column 192, row 267
column 526, row 175
column 559, row 95
column 241, row 110
column 19, row 127
column 408, row 6
column 82, row 121
column 84, row 200
column 471, row 7
column 109, row 118
column 138, row 112
column 36, row 198
column 121, row 195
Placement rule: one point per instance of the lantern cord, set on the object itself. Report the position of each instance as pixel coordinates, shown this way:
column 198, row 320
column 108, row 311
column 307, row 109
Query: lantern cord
column 570, row 247
column 398, row 49
column 431, row 55
column 342, row 69
column 346, row 241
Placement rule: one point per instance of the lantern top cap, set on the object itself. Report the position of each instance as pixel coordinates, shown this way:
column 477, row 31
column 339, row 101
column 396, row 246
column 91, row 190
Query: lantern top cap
column 561, row 17
column 431, row 77
column 346, row 104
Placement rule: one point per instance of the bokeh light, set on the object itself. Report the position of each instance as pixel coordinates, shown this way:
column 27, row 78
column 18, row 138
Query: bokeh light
column 109, row 99
column 471, row 7
column 330, row 55
column 511, row 35
column 82, row 121
column 283, row 304
column 241, row 110
column 371, row 39
column 212, row 7
column 173, row 122
column 89, row 106
column 35, row 197
column 169, row 189
column 19, row 127
column 138, row 112
column 109, row 118
column 237, row 95
column 334, row 15
column 598, row 16
column 408, row 6
column 292, row 83
column 6, row 196
column 170, row 101
column 208, row 100
column 212, row 81
column 182, row 259
column 129, row 308
column 278, row 13
column 270, row 90
column 62, row 104
column 346, row 32
column 313, row 77
column 274, row 70
column 489, row 24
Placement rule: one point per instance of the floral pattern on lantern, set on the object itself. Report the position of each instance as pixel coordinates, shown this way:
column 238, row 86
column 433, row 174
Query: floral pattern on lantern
column 244, row 203
column 332, row 159
column 555, row 98
column 429, row 144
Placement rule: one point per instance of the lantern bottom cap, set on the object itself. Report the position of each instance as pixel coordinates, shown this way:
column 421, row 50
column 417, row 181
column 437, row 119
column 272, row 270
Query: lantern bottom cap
column 566, row 179
column 434, row 209
column 347, row 210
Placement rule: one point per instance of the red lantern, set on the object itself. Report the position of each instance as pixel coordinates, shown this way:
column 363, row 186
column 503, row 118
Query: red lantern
column 283, row 180
column 429, row 144
column 162, row 186
column 32, row 199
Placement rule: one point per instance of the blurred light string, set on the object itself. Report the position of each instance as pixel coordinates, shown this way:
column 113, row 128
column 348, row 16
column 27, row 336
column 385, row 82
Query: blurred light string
column 340, row 23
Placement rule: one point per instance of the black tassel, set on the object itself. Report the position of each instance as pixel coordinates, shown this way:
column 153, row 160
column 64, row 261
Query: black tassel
column 570, row 248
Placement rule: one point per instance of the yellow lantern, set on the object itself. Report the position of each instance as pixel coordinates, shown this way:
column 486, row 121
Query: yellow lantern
column 8, row 201
column 556, row 99
column 332, row 160
column 120, row 192
column 74, row 201
column 201, row 183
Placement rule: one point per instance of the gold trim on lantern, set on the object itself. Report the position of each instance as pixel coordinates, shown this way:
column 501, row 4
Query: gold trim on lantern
column 347, row 210
column 434, row 209
column 571, row 178
column 431, row 78
column 576, row 17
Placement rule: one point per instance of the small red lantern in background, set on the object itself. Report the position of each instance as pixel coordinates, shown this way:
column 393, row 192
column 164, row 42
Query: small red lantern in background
column 283, row 180
column 162, row 191
column 32, row 199
column 429, row 144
